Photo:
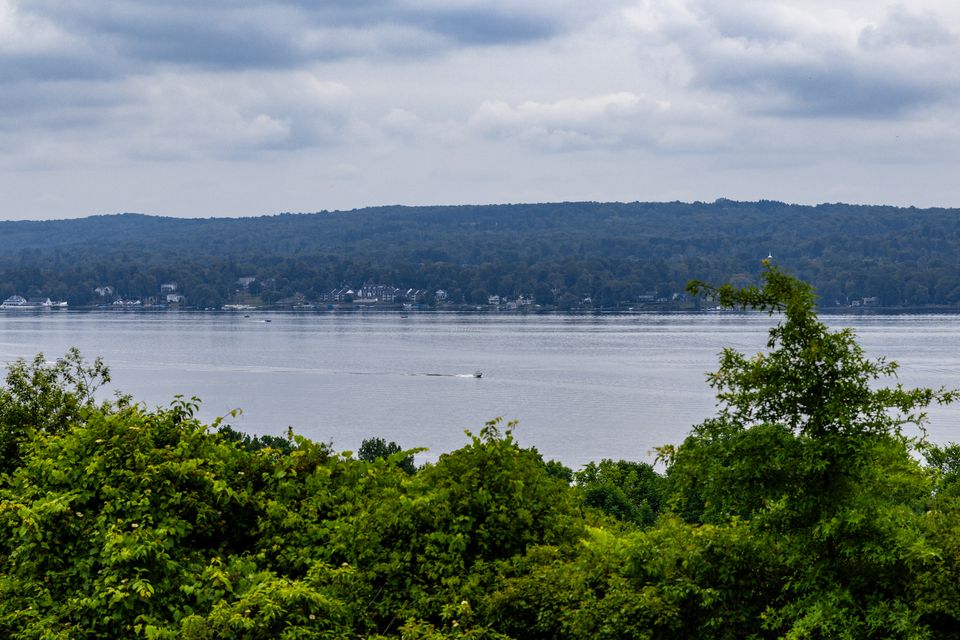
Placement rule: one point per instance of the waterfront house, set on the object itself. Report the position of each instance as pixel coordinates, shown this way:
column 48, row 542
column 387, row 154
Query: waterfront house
column 414, row 295
column 378, row 293
column 344, row 294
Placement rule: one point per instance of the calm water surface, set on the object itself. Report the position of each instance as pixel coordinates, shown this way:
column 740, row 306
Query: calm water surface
column 582, row 388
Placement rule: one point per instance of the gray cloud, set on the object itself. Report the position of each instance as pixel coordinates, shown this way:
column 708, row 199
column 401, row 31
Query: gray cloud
column 905, row 28
column 786, row 63
column 241, row 35
column 836, row 86
column 56, row 66
column 55, row 106
column 476, row 26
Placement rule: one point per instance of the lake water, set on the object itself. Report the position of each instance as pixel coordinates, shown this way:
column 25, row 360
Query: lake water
column 582, row 388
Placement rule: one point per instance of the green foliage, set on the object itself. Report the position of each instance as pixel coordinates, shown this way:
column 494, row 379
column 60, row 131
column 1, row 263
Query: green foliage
column 264, row 606
column 812, row 452
column 814, row 381
column 46, row 397
column 373, row 448
column 944, row 462
column 136, row 523
column 255, row 442
column 433, row 540
column 801, row 425
column 674, row 580
column 630, row 491
column 500, row 496
column 558, row 470
column 102, row 519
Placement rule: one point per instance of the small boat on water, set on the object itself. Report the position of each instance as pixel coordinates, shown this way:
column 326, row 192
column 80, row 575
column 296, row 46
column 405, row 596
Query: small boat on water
column 19, row 302
column 478, row 374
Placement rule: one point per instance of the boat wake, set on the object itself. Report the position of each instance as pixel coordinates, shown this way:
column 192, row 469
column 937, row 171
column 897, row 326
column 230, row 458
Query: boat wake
column 475, row 374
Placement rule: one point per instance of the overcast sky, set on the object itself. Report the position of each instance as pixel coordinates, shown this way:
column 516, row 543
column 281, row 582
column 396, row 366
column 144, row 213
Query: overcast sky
column 220, row 107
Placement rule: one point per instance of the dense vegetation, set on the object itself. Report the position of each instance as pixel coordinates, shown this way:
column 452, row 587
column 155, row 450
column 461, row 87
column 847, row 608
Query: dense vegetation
column 560, row 254
column 800, row 511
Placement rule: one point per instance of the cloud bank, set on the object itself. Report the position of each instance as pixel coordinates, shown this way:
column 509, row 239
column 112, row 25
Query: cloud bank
column 241, row 107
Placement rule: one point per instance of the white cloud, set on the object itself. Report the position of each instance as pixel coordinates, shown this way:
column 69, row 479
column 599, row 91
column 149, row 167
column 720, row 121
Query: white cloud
column 618, row 120
column 210, row 115
column 903, row 28
column 570, row 123
column 812, row 59
column 25, row 33
column 401, row 122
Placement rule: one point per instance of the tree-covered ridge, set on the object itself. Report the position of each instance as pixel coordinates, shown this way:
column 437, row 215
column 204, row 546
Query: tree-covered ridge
column 560, row 254
column 800, row 511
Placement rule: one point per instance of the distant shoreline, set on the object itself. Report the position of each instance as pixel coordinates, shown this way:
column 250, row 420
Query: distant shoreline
column 366, row 310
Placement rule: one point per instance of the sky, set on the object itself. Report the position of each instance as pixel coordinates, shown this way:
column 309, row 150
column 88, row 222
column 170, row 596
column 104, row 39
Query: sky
column 206, row 108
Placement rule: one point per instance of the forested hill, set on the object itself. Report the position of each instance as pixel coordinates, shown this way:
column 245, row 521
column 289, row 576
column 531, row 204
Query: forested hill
column 559, row 254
